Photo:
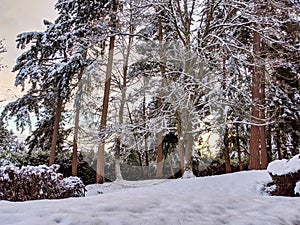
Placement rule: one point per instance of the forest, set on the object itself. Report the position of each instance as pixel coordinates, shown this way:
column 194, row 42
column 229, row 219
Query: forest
column 135, row 89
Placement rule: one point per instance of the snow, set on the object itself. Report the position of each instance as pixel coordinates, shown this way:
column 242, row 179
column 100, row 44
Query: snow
column 284, row 166
column 226, row 199
column 297, row 188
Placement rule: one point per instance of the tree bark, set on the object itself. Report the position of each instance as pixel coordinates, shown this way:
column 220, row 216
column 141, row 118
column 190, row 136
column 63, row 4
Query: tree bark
column 188, row 141
column 258, row 151
column 159, row 170
column 100, row 176
column 180, row 142
column 269, row 143
column 75, row 140
column 278, row 144
column 262, row 116
column 254, row 162
column 117, row 160
column 171, row 166
column 76, row 126
column 55, row 131
column 100, row 162
column 238, row 147
column 159, row 165
column 226, row 151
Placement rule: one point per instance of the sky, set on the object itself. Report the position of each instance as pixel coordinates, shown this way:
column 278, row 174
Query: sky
column 18, row 16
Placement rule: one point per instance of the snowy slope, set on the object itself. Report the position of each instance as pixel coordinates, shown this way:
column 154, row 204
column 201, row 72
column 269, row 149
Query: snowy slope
column 228, row 199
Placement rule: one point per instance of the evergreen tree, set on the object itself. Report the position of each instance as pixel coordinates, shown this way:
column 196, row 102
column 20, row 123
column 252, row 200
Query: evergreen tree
column 2, row 50
column 11, row 149
column 52, row 67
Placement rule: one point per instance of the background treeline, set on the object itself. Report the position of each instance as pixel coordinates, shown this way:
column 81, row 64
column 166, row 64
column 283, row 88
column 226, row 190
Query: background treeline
column 151, row 89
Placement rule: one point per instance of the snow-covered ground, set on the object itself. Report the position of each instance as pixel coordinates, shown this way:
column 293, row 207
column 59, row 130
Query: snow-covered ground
column 233, row 199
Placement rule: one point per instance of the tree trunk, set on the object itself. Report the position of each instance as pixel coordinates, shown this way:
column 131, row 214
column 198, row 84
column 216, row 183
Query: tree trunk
column 122, row 105
column 188, row 141
column 55, row 131
column 100, row 161
column 137, row 143
column 146, row 172
column 278, row 144
column 75, row 140
column 262, row 117
column 76, row 126
column 171, row 166
column 258, row 152
column 238, row 147
column 159, row 170
column 100, row 176
column 269, row 143
column 180, row 142
column 226, row 151
column 117, row 160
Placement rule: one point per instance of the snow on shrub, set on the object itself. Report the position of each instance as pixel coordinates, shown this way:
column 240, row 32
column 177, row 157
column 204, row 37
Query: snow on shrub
column 297, row 188
column 284, row 166
column 285, row 174
column 37, row 182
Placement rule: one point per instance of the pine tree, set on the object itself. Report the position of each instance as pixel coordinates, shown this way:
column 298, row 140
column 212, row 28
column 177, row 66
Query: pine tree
column 52, row 65
column 11, row 149
column 2, row 50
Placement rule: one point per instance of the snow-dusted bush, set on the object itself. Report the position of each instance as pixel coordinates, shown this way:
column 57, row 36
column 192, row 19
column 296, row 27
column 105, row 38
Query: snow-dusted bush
column 285, row 174
column 72, row 187
column 37, row 182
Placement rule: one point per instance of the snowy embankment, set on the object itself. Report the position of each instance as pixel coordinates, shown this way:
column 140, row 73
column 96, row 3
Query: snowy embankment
column 227, row 199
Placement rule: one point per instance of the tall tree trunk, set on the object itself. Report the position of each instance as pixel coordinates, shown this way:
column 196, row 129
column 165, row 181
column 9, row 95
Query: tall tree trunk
column 171, row 166
column 262, row 117
column 180, row 142
column 55, row 131
column 188, row 141
column 100, row 176
column 254, row 162
column 123, row 101
column 226, row 151
column 238, row 147
column 278, row 144
column 137, row 143
column 146, row 172
column 269, row 143
column 75, row 141
column 258, row 152
column 225, row 138
column 76, row 126
column 117, row 160
column 100, row 161
column 159, row 170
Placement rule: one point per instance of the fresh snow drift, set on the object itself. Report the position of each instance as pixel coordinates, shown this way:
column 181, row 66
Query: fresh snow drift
column 234, row 199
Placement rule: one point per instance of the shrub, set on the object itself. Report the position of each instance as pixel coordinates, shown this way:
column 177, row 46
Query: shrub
column 285, row 174
column 37, row 182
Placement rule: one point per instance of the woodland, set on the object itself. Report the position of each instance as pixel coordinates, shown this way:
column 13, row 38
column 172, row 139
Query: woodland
column 135, row 89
